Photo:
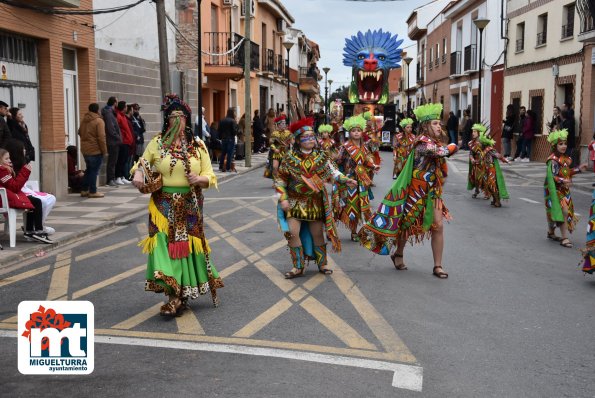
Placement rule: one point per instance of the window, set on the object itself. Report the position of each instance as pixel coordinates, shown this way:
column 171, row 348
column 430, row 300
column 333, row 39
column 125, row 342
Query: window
column 17, row 49
column 537, row 107
column 437, row 54
column 444, row 50
column 542, row 30
column 568, row 21
column 520, row 37
column 431, row 58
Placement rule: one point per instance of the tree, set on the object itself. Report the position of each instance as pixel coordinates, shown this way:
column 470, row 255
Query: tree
column 342, row 93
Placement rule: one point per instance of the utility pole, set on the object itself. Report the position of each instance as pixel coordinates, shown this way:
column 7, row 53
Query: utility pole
column 199, row 81
column 248, row 120
column 163, row 53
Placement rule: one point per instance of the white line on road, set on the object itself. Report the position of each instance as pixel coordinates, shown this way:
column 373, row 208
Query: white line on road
column 529, row 200
column 407, row 377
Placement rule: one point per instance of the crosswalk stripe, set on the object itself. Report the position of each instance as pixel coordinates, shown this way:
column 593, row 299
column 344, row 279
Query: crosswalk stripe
column 139, row 318
column 107, row 282
column 24, row 275
column 264, row 319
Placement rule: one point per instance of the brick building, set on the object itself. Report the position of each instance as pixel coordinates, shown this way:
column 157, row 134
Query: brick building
column 49, row 64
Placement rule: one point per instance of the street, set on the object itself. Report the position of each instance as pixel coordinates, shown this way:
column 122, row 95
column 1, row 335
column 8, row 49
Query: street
column 514, row 318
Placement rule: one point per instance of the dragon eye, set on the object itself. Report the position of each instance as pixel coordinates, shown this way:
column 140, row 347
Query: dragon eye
column 361, row 56
column 381, row 57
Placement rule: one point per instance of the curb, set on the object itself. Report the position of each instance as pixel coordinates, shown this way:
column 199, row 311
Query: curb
column 517, row 174
column 117, row 220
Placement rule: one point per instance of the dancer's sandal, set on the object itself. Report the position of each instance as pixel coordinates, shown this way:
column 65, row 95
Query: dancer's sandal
column 326, row 271
column 566, row 243
column 497, row 204
column 400, row 267
column 474, row 196
column 439, row 274
column 354, row 237
column 170, row 309
column 293, row 274
column 552, row 236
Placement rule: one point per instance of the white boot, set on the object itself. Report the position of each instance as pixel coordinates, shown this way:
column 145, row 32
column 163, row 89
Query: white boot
column 119, row 181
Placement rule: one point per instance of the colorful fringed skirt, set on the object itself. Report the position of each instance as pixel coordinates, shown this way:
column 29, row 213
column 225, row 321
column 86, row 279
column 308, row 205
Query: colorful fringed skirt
column 589, row 250
column 179, row 255
column 306, row 207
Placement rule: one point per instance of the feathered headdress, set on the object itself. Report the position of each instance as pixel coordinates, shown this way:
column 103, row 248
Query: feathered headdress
column 172, row 102
column 174, row 106
column 485, row 139
column 325, row 128
column 301, row 126
column 367, row 115
column 427, row 112
column 406, row 122
column 354, row 121
column 556, row 136
column 479, row 127
column 280, row 118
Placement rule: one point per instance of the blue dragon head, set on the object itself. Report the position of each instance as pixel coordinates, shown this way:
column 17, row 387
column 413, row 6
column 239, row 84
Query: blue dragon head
column 371, row 55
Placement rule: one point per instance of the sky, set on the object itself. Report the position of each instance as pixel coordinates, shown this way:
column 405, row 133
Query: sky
column 329, row 22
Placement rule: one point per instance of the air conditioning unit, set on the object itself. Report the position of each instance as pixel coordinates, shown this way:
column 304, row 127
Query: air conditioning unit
column 281, row 25
column 252, row 8
column 227, row 2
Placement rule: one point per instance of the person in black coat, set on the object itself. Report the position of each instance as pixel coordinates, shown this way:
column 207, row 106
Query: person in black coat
column 467, row 130
column 258, row 131
column 228, row 131
column 20, row 131
column 5, row 133
column 452, row 125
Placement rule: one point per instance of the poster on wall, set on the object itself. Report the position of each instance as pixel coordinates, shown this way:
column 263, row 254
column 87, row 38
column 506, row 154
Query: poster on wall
column 3, row 72
column 386, row 137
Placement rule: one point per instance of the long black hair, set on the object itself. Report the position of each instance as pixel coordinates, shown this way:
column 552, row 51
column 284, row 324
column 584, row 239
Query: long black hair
column 16, row 149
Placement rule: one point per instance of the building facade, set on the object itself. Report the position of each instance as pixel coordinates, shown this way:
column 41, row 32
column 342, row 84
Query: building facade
column 48, row 71
column 544, row 63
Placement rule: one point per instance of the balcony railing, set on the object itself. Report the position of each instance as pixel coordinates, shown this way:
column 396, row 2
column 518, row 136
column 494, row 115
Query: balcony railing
column 444, row 58
column 431, row 64
column 586, row 19
column 308, row 72
column 420, row 74
column 541, row 38
column 222, row 43
column 567, row 31
column 455, row 63
column 270, row 61
column 520, row 45
column 280, row 65
column 437, row 61
column 470, row 58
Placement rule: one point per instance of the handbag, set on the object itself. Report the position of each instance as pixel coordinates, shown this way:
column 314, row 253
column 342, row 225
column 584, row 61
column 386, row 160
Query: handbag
column 152, row 179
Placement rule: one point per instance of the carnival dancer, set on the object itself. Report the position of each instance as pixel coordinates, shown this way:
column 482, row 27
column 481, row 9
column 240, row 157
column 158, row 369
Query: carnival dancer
column 371, row 138
column 327, row 144
column 475, row 166
column 490, row 179
column 179, row 262
column 558, row 202
column 413, row 209
column 403, row 143
column 281, row 140
column 355, row 161
column 589, row 250
column 306, row 207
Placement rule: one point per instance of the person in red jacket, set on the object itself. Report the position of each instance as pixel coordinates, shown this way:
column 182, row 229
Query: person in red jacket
column 123, row 164
column 18, row 200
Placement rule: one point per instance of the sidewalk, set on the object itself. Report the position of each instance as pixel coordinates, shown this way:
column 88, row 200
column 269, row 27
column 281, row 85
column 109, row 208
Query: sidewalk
column 77, row 218
column 532, row 171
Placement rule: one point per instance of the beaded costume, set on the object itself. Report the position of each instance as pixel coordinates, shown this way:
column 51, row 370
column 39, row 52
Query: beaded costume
column 403, row 144
column 489, row 177
column 589, row 250
column 557, row 195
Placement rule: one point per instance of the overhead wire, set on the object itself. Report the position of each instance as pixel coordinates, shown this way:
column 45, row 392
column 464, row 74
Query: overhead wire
column 61, row 11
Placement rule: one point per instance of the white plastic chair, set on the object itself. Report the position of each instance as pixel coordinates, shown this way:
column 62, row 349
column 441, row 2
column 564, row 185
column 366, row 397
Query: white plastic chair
column 10, row 222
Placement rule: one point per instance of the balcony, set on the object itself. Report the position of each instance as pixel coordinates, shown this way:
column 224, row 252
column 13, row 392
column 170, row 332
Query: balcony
column 587, row 33
column 520, row 45
column 444, row 58
column 230, row 63
column 567, row 31
column 437, row 61
column 54, row 3
column 308, row 80
column 470, row 63
column 541, row 39
column 280, row 65
column 455, row 63
column 420, row 74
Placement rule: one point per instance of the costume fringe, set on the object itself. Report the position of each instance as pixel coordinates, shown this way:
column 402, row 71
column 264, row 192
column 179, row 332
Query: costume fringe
column 157, row 218
column 195, row 245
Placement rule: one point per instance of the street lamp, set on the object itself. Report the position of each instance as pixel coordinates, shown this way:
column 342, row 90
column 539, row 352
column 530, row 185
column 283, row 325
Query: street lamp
column 330, row 90
column 481, row 23
column 288, row 45
column 326, row 69
column 408, row 61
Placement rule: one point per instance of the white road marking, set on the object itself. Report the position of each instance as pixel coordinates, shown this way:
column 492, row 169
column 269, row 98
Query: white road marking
column 529, row 200
column 408, row 377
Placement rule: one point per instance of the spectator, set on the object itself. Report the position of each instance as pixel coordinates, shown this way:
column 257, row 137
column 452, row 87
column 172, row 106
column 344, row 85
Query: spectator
column 14, row 183
column 139, row 128
column 113, row 138
column 452, row 125
column 75, row 176
column 508, row 131
column 467, row 129
column 20, row 131
column 126, row 146
column 567, row 106
column 258, row 131
column 204, row 133
column 215, row 142
column 228, row 132
column 556, row 119
column 242, row 128
column 528, row 132
column 93, row 148
column 269, row 124
column 5, row 133
column 520, row 141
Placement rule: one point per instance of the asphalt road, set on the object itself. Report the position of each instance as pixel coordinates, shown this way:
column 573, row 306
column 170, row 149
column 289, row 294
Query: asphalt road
column 515, row 317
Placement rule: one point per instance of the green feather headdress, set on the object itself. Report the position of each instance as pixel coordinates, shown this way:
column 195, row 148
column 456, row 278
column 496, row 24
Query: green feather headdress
column 325, row 128
column 556, row 136
column 425, row 113
column 479, row 127
column 484, row 139
column 406, row 122
column 354, row 121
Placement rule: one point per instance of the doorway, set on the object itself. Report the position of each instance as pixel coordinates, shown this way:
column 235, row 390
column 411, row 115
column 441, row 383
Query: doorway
column 71, row 111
